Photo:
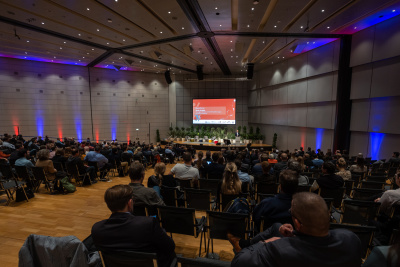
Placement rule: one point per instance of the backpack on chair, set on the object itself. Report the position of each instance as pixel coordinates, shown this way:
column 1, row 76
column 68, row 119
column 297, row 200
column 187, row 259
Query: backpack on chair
column 238, row 205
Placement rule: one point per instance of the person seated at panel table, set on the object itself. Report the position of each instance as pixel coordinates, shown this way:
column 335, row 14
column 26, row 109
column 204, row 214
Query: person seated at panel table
column 123, row 231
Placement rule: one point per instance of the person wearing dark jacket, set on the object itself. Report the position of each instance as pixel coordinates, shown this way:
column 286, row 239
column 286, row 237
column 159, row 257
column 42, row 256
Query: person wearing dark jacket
column 329, row 179
column 125, row 232
column 75, row 159
column 214, row 170
column 308, row 243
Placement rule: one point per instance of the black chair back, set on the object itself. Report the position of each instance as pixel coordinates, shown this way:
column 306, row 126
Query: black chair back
column 359, row 212
column 261, row 197
column 58, row 166
column 22, row 173
column 225, row 199
column 349, row 184
column 364, row 233
column 220, row 223
column 169, row 195
column 184, row 183
column 210, row 184
column 128, row 259
column 199, row 199
column 365, row 194
column 336, row 194
column 7, row 172
column 376, row 178
column 178, row 220
column 372, row 185
column 267, row 188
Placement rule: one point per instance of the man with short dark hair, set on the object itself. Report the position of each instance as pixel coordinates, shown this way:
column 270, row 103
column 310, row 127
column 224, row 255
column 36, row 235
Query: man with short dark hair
column 257, row 169
column 102, row 161
column 275, row 209
column 142, row 195
column 185, row 171
column 309, row 243
column 23, row 161
column 329, row 179
column 395, row 158
column 214, row 170
column 125, row 232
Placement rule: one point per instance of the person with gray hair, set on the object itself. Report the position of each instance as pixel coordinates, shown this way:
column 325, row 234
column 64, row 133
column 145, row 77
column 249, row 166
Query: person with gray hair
column 296, row 167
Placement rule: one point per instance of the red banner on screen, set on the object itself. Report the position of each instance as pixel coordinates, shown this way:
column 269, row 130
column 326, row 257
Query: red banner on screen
column 214, row 111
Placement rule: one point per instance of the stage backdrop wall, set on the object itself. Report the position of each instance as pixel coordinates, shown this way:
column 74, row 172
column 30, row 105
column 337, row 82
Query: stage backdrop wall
column 54, row 99
column 375, row 59
column 188, row 87
column 296, row 99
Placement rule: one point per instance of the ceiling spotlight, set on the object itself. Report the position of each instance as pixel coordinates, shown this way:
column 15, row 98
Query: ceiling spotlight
column 42, row 22
column 301, row 27
column 248, row 26
column 328, row 27
column 183, row 28
column 252, row 8
column 160, row 32
column 60, row 47
column 27, row 41
column 79, row 34
column 92, row 49
column 169, row 12
column 323, row 10
column 88, row 9
column 275, row 26
column 220, row 25
column 394, row 10
column 98, row 30
column 255, row 2
column 355, row 28
column 216, row 7
column 108, row 43
column 65, row 42
column 231, row 41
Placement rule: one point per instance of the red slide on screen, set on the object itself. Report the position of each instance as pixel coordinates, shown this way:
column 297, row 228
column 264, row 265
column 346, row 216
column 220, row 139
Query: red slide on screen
column 214, row 111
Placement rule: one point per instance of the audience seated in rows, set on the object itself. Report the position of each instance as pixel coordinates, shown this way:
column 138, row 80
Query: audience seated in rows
column 47, row 165
column 329, row 179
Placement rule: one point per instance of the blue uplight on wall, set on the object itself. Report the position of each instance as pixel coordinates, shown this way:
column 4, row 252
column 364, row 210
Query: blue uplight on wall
column 114, row 123
column 375, row 141
column 78, row 128
column 39, row 124
column 319, row 134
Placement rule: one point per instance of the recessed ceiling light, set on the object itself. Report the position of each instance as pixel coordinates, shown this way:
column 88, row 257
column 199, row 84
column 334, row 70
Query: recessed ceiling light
column 216, row 7
column 263, row 42
column 190, row 43
column 272, row 62
column 355, row 28
column 183, row 28
column 79, row 34
column 109, row 20
column 231, row 50
column 252, row 8
column 220, row 25
column 84, row 57
column 27, row 41
column 275, row 26
column 248, row 26
column 231, row 56
column 65, row 42
column 291, row 51
column 123, row 40
column 283, row 57
column 26, row 53
column 301, row 27
column 236, row 62
column 328, row 27
column 160, row 32
column 108, row 43
column 116, row 0
column 231, row 41
column 42, row 22
column 394, row 10
column 140, row 61
column 169, row 12
column 98, row 30
column 24, row 57
column 87, row 8
column 79, row 60
column 92, row 49
column 60, row 47
column 313, row 42
column 211, row 63
column 278, row 57
column 307, row 42
column 54, row 57
column 237, row 56
column 323, row 10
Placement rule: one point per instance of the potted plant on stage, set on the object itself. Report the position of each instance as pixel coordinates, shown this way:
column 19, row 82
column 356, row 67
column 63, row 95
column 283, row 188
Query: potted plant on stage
column 178, row 134
column 231, row 136
column 259, row 136
column 251, row 136
column 183, row 134
column 245, row 136
column 274, row 140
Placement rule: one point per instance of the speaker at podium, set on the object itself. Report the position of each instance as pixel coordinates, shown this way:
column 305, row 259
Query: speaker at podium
column 237, row 140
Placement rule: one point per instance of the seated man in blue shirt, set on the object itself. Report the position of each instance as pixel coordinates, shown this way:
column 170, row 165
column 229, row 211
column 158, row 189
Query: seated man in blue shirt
column 275, row 209
column 22, row 160
column 102, row 161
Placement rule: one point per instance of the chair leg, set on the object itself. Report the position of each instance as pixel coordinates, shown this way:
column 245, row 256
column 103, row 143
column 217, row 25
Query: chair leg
column 201, row 239
column 212, row 246
column 208, row 247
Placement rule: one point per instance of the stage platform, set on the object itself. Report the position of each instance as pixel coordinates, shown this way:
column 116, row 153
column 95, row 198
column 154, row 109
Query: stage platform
column 214, row 147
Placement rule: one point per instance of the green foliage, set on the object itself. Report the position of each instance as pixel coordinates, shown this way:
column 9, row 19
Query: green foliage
column 274, row 140
column 251, row 131
column 258, row 130
column 240, row 129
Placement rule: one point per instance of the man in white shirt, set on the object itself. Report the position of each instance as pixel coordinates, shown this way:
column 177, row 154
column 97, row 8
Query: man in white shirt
column 390, row 197
column 185, row 171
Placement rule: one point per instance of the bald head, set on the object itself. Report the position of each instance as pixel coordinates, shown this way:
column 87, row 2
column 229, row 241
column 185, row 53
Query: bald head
column 312, row 213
